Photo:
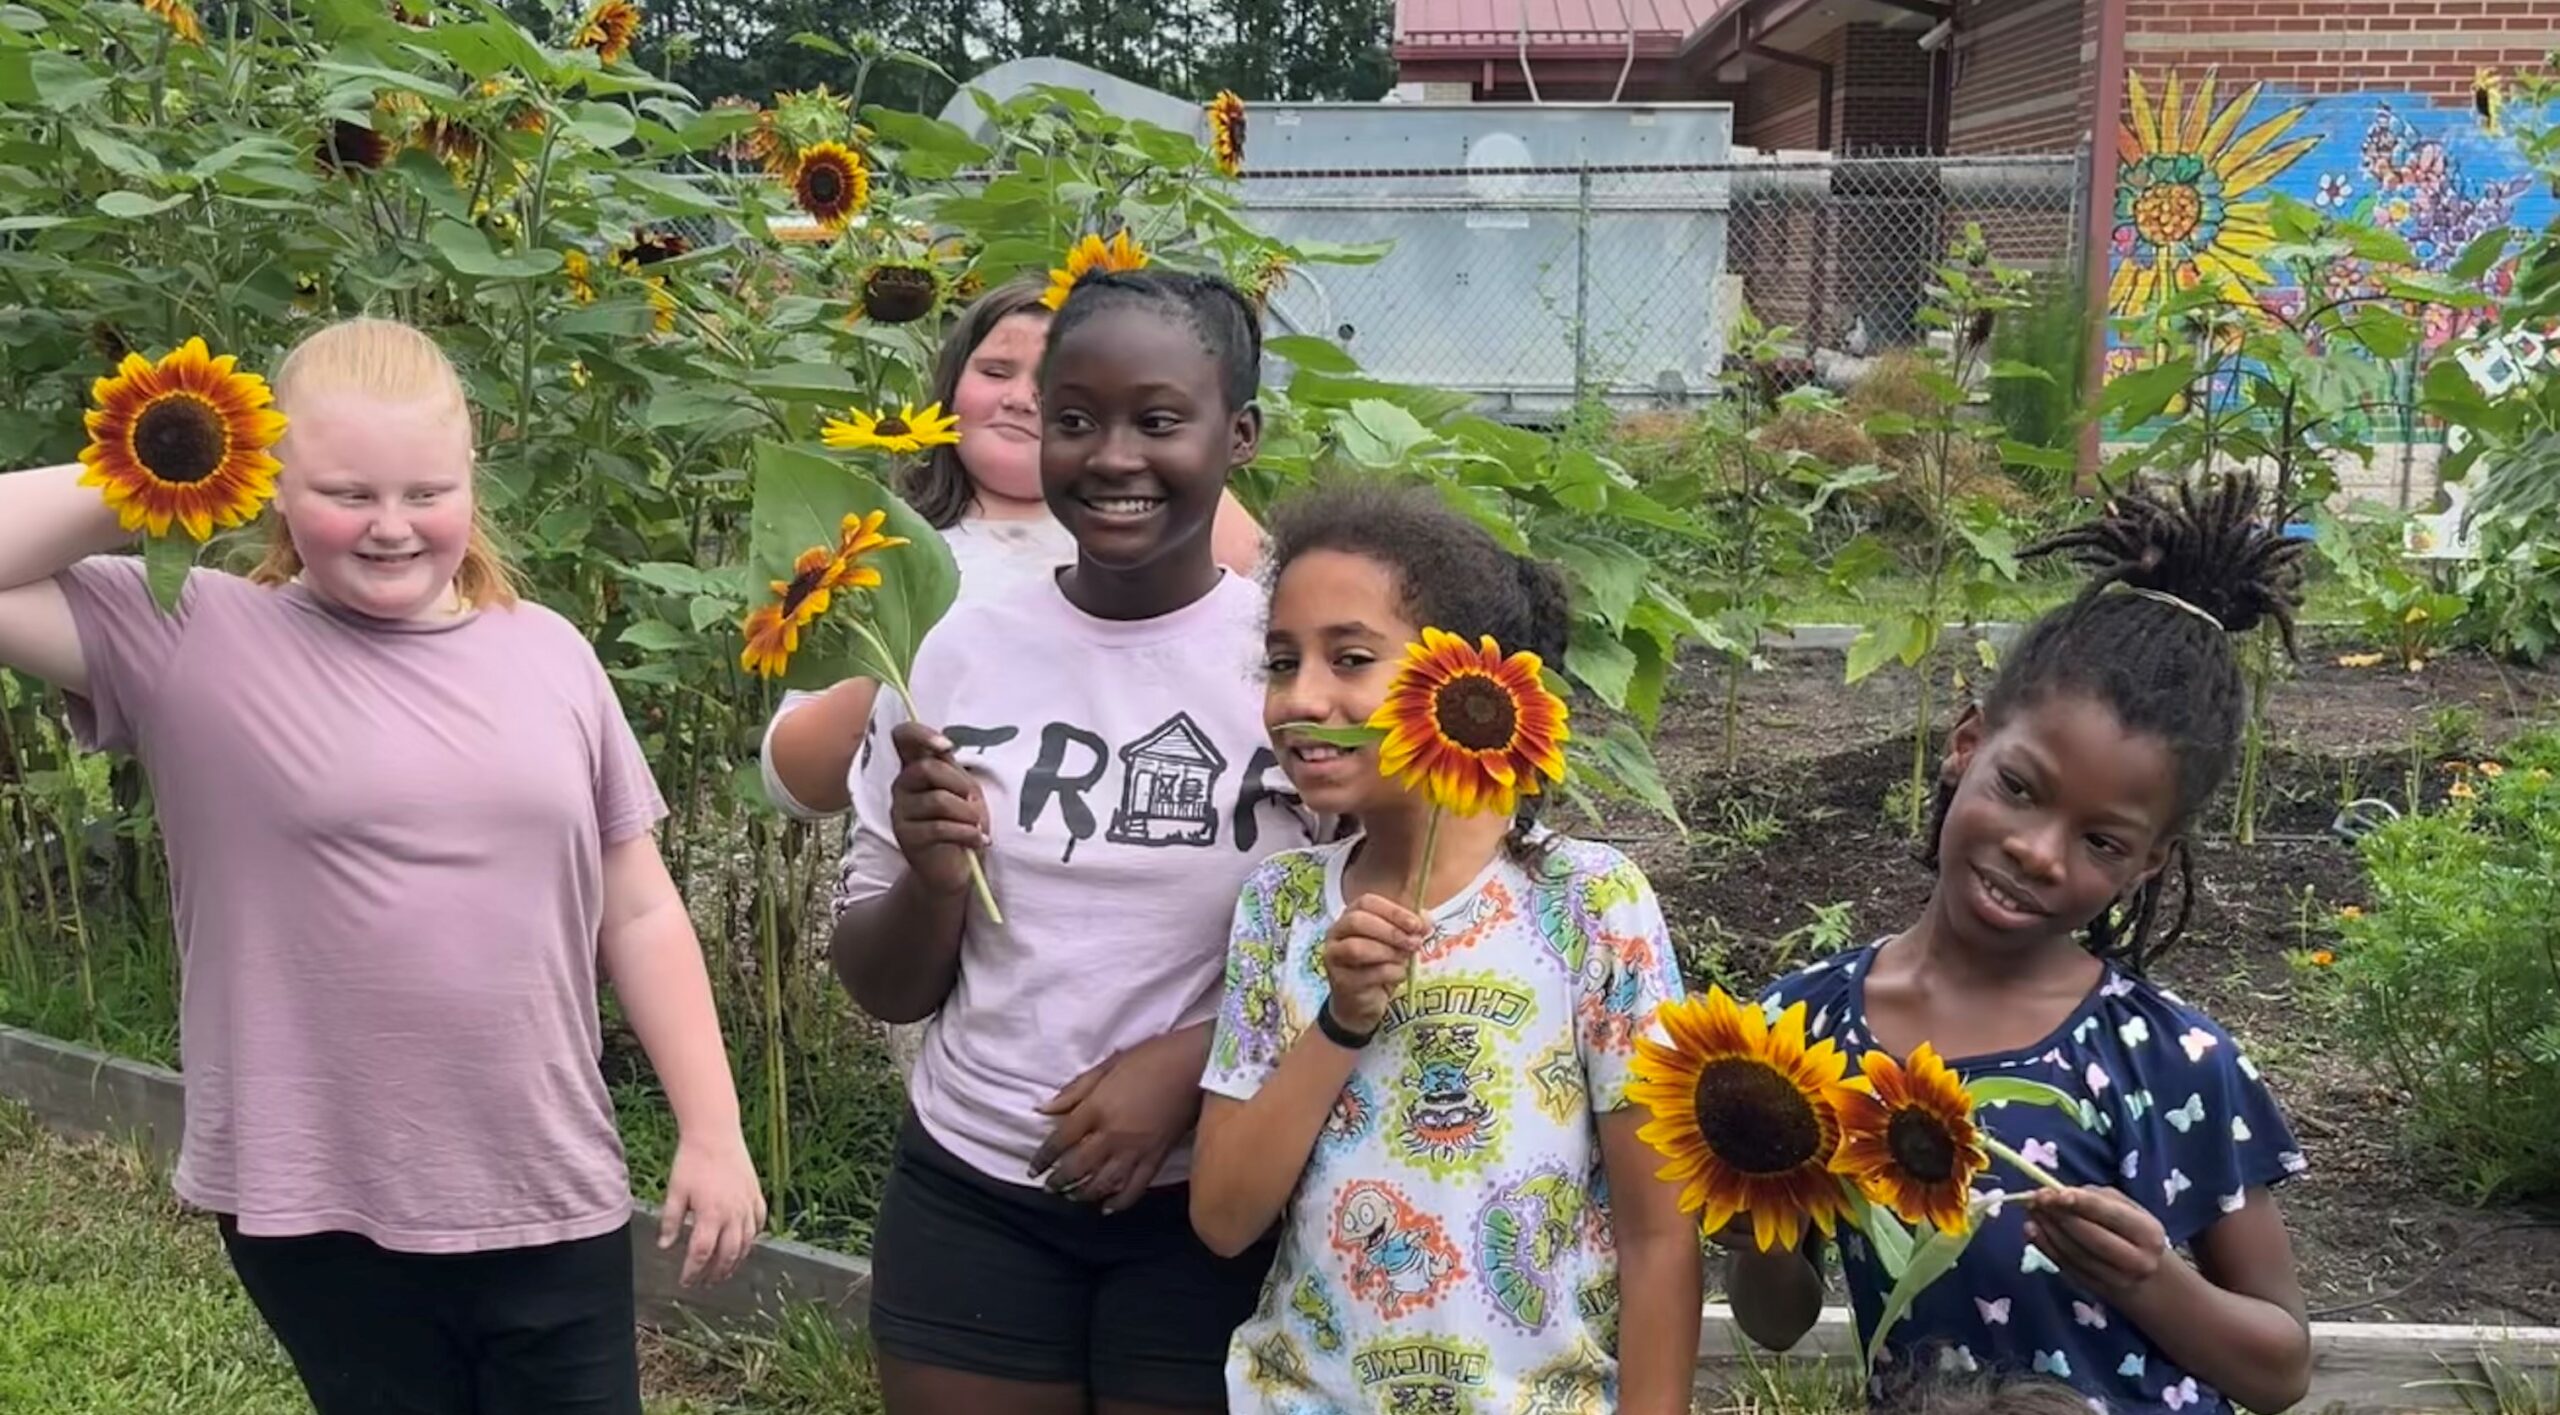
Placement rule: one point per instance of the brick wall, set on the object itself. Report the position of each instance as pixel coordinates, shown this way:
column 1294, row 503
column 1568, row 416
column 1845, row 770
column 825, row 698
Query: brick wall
column 2430, row 47
column 2018, row 84
column 1781, row 105
column 1884, row 93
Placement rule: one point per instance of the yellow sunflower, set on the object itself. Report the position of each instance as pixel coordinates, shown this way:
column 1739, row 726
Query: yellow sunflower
column 862, row 536
column 1091, row 254
column 2190, row 210
column 1469, row 728
column 183, row 441
column 831, row 184
column 180, row 17
column 1907, row 1138
column 904, row 432
column 609, row 29
column 1226, row 132
column 1743, row 1111
column 580, row 275
column 773, row 630
column 662, row 304
column 1268, row 275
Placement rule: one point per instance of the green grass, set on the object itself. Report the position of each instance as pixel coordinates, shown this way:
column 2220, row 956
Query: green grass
column 115, row 1301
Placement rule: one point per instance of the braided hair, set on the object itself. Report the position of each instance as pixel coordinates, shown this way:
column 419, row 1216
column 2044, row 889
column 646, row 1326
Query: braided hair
column 1449, row 573
column 1230, row 332
column 2172, row 578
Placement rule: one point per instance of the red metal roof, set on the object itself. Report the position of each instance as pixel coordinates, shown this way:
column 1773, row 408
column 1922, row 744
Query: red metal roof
column 1461, row 28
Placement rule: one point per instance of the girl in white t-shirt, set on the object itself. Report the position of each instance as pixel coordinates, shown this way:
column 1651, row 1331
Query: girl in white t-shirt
column 984, row 496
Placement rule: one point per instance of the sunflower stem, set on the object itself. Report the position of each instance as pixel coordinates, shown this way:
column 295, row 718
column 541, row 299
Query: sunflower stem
column 898, row 684
column 1422, row 884
column 2025, row 1166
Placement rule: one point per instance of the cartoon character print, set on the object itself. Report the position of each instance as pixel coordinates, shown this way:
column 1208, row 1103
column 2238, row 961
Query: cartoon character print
column 1252, row 1030
column 1561, row 927
column 1354, row 1118
column 1275, row 1366
column 1522, row 1233
column 1315, row 1310
column 1611, row 997
column 1579, row 1382
column 1401, row 1259
column 1450, row 1091
column 1598, row 1302
column 1430, row 1375
column 1556, row 1084
column 1487, row 910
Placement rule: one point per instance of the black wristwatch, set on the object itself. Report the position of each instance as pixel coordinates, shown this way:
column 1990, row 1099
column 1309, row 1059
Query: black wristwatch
column 1337, row 1033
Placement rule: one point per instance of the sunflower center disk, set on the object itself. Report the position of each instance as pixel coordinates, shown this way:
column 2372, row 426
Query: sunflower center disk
column 892, row 427
column 1921, row 1145
column 1754, row 1118
column 824, row 185
column 179, row 438
column 1477, row 714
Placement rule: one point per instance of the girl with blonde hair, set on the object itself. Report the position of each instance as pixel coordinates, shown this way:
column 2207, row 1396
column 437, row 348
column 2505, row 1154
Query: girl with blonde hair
column 408, row 831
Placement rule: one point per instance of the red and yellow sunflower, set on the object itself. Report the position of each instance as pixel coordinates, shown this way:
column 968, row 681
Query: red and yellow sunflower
column 773, row 630
column 1226, row 133
column 831, row 183
column 1907, row 1138
column 1743, row 1110
column 180, row 16
column 861, row 537
column 1468, row 727
column 608, row 29
column 182, row 442
column 1093, row 253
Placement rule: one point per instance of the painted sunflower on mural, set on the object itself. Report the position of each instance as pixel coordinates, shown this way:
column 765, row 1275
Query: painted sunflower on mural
column 182, row 442
column 2191, row 200
column 1742, row 1108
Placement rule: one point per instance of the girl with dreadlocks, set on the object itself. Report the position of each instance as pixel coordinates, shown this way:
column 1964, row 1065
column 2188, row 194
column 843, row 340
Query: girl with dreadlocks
column 2161, row 1277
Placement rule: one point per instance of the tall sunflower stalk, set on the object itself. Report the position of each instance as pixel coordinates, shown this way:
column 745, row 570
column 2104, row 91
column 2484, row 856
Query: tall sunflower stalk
column 1469, row 729
column 1758, row 1123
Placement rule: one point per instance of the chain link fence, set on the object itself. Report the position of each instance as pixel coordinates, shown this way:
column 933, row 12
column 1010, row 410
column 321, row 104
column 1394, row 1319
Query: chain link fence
column 1535, row 287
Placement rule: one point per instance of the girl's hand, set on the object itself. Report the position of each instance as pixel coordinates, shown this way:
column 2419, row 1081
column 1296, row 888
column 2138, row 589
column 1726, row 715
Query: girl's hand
column 713, row 1183
column 936, row 811
column 1365, row 958
column 2100, row 1239
column 1118, row 1121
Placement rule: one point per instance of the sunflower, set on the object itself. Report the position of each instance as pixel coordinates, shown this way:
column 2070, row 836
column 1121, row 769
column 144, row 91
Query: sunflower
column 1469, row 728
column 1091, row 254
column 1226, row 132
column 662, row 304
column 903, row 432
column 1907, row 1138
column 184, row 440
column 650, row 247
column 1742, row 1109
column 862, row 536
column 831, row 184
column 1268, row 275
column 609, row 29
column 799, row 120
column 2190, row 210
column 773, row 630
column 352, row 147
column 580, row 275
column 180, row 17
column 898, row 292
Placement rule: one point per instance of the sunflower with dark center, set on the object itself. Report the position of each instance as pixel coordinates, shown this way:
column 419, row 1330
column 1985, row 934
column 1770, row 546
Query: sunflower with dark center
column 650, row 247
column 899, row 293
column 1743, row 1110
column 1908, row 1140
column 831, row 184
column 773, row 630
column 902, row 433
column 1121, row 252
column 182, row 442
column 609, row 29
column 352, row 147
column 1226, row 133
column 1468, row 727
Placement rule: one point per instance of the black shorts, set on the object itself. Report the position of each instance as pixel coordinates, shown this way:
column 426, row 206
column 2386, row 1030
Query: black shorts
column 518, row 1331
column 1011, row 1281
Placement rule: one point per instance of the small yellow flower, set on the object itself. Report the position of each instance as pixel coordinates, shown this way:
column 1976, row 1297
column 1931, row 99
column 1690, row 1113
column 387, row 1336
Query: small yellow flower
column 2323, row 958
column 2540, row 773
column 2351, row 912
column 2461, row 791
column 2359, row 660
column 2417, row 614
column 2492, row 770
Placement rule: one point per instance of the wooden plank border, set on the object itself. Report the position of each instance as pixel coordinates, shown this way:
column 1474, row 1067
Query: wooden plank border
column 2358, row 1368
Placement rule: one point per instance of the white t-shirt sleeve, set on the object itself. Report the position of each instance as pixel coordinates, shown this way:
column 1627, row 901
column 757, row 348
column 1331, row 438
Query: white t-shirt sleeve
column 774, row 789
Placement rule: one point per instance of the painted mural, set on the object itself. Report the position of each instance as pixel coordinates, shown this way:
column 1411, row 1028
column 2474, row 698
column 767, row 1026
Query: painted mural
column 2198, row 161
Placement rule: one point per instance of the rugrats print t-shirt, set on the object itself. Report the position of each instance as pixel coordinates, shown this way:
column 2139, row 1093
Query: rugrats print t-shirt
column 1131, row 789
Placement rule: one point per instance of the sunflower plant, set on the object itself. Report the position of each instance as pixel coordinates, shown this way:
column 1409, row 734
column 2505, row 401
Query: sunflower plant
column 1760, row 1124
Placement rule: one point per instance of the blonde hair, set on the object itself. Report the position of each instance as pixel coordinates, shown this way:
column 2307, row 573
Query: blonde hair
column 383, row 358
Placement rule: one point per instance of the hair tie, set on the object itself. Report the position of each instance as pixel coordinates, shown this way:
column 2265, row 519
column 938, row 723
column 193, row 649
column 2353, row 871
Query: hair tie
column 2173, row 601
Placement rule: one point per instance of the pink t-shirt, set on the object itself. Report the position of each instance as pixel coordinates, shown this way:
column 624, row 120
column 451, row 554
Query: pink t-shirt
column 386, row 857
column 1132, row 789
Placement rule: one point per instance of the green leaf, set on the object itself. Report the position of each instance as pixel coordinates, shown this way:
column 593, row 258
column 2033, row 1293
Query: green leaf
column 2001, row 1090
column 2481, row 256
column 33, row 223
column 801, row 500
column 1602, row 662
column 676, row 577
column 126, row 206
column 1920, row 637
column 121, row 157
column 1885, row 1230
column 1609, row 577
column 1891, row 424
column 2377, row 244
column 487, row 48
column 2011, row 368
column 1929, row 1262
column 664, row 195
column 1378, row 434
column 1877, row 645
column 602, row 125
column 2132, row 399
column 467, row 250
column 61, row 83
column 1336, row 253
column 656, row 636
column 1311, row 388
column 1986, row 530
column 1619, row 762
column 805, row 383
column 1355, row 735
column 1309, row 352
column 165, row 563
column 2026, row 454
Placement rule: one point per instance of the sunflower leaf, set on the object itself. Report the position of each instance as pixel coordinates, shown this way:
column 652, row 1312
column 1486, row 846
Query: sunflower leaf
column 1885, row 1232
column 1929, row 1262
column 1998, row 1090
column 165, row 563
column 801, row 500
column 1360, row 735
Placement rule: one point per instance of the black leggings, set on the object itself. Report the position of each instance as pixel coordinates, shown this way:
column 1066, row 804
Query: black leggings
column 519, row 1331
